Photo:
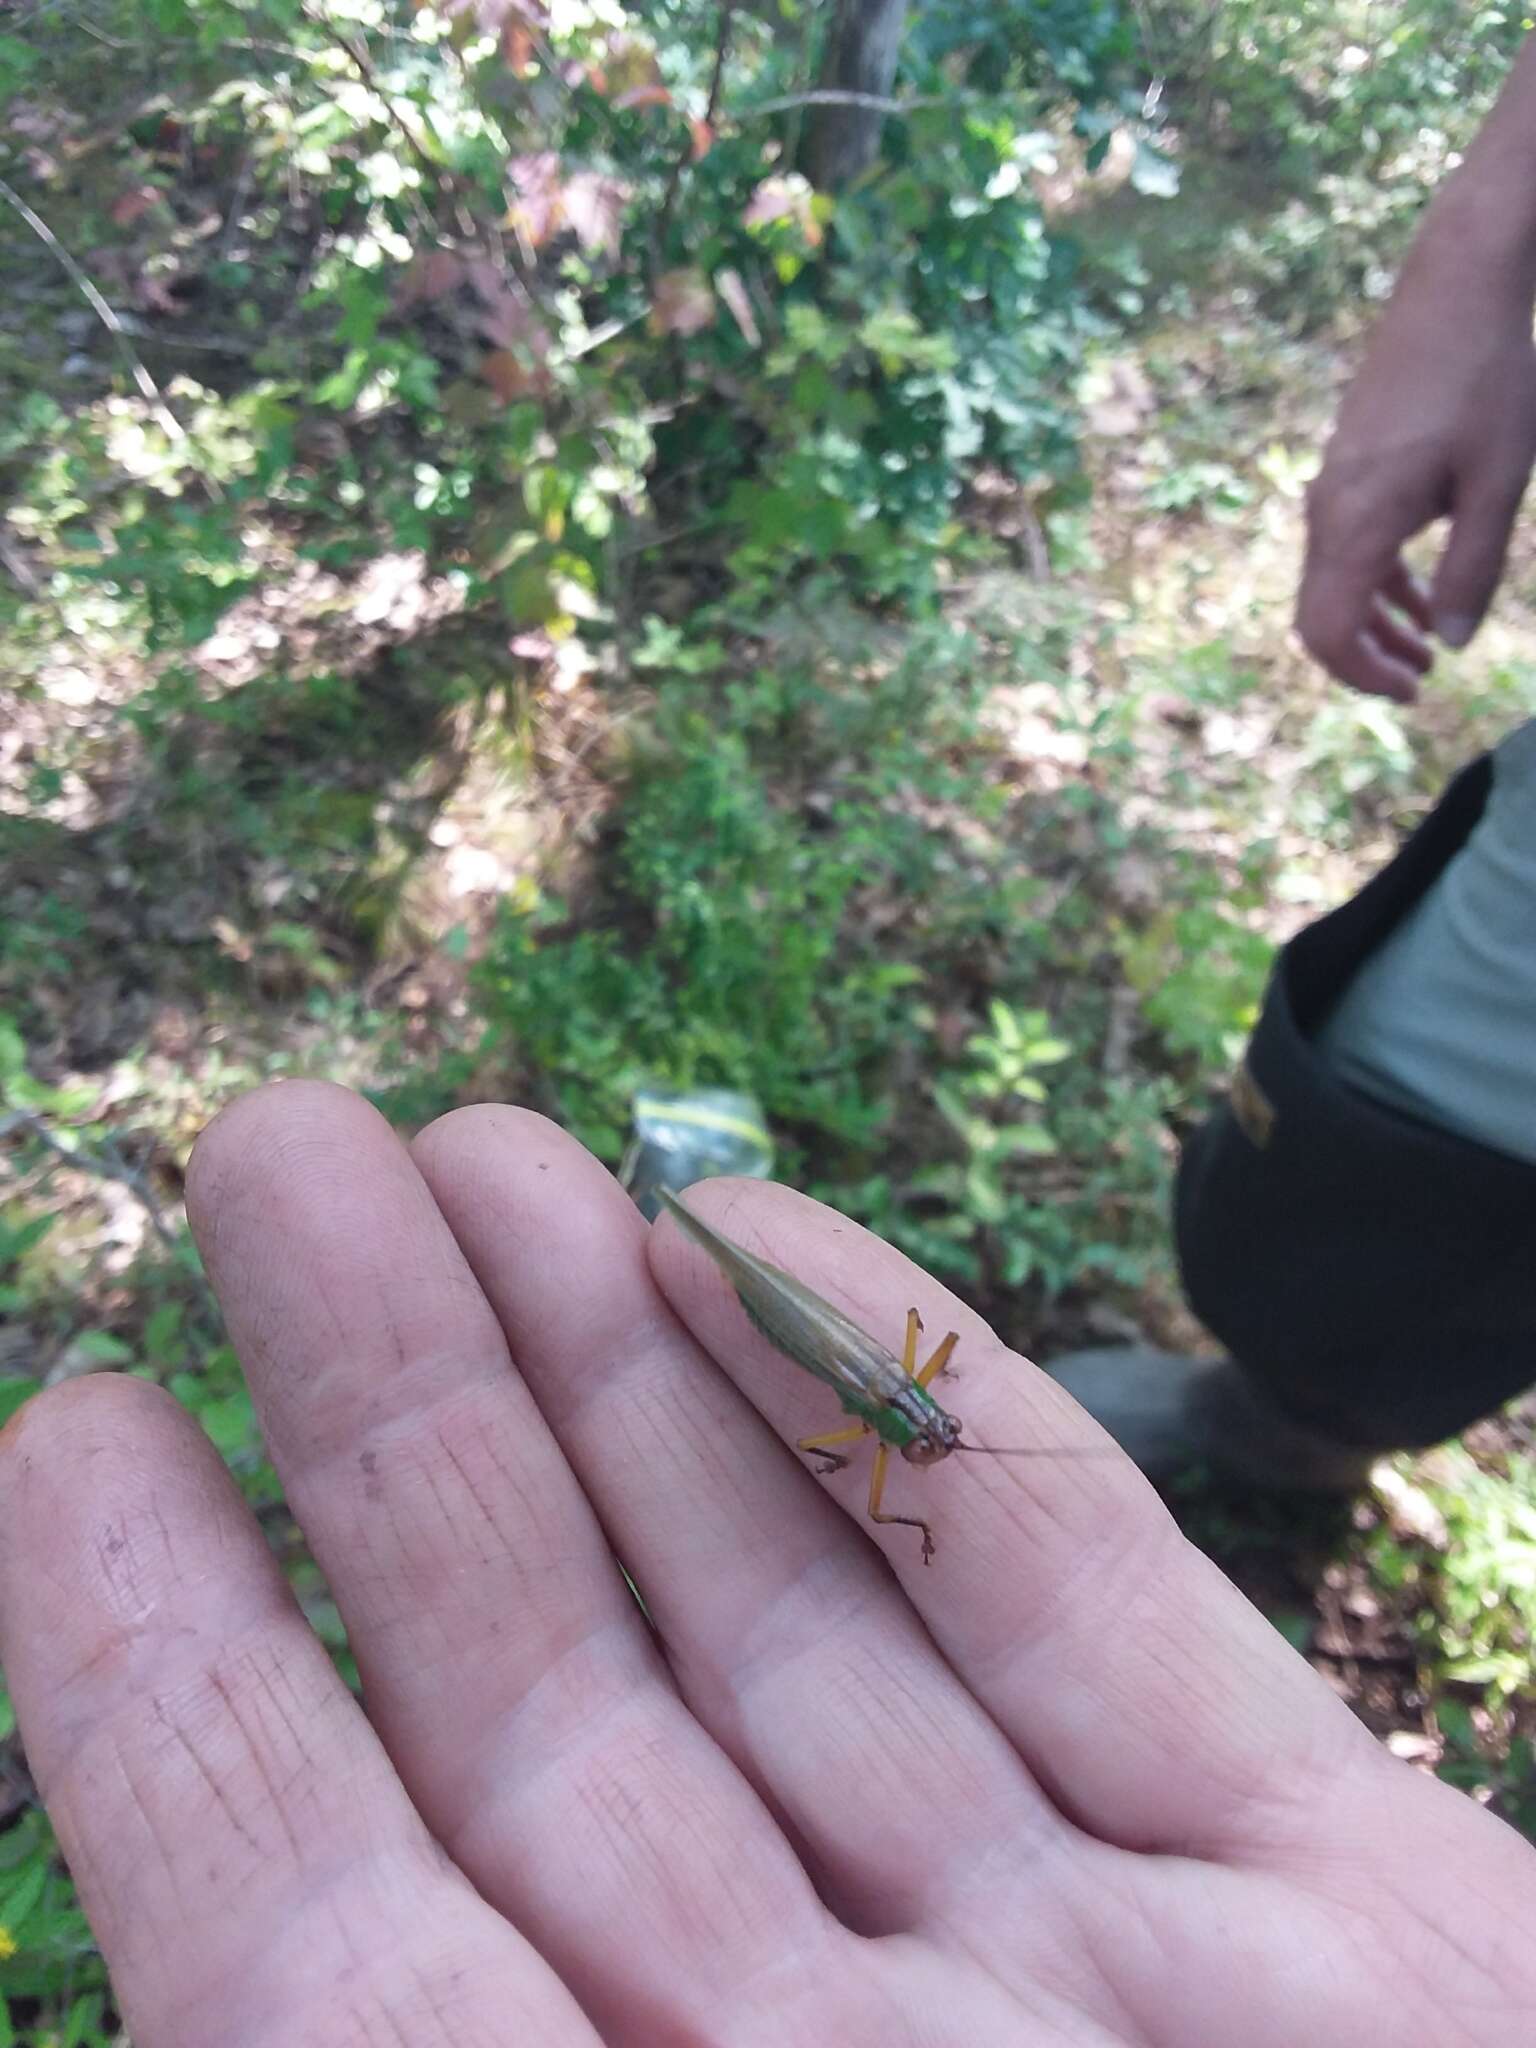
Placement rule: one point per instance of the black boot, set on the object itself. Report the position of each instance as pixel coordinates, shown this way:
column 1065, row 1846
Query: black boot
column 1168, row 1413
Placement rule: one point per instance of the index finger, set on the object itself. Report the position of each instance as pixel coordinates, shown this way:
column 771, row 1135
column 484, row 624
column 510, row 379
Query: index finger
column 1136, row 1681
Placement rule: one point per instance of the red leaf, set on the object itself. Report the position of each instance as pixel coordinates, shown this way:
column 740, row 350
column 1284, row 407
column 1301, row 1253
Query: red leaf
column 703, row 137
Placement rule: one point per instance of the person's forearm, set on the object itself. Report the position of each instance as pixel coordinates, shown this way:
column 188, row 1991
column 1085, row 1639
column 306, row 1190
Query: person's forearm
column 1484, row 217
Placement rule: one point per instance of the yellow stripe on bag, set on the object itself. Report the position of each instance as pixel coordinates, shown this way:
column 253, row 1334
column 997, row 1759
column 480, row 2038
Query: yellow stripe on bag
column 703, row 1119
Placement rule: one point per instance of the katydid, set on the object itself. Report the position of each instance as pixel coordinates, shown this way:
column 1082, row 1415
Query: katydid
column 887, row 1395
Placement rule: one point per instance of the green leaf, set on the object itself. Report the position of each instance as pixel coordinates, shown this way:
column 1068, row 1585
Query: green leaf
column 161, row 1334
column 102, row 1347
column 14, row 1394
column 18, row 1239
column 1296, row 1627
column 84, row 2021
column 13, row 1052
column 20, row 1901
column 230, row 1422
column 1034, row 1139
column 342, row 387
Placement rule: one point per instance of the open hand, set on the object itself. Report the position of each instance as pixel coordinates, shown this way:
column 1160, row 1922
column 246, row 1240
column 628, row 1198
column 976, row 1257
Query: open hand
column 1065, row 1786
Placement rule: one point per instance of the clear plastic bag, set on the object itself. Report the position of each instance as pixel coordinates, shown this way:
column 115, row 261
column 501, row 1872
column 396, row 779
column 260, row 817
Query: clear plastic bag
column 680, row 1136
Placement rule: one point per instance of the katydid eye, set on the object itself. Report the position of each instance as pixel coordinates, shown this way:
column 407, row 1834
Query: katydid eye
column 926, row 1449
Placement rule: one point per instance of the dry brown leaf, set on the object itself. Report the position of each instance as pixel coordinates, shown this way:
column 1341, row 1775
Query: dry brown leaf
column 630, row 71
column 594, row 210
column 432, row 274
column 729, row 284
column 683, row 303
column 537, row 207
column 785, row 196
column 517, row 46
column 134, row 204
column 643, row 96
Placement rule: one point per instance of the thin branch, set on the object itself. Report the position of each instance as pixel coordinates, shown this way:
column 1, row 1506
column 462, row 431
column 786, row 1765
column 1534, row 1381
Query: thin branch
column 108, row 1164
column 834, row 96
column 99, row 306
column 237, row 201
column 199, row 344
column 366, row 70
column 601, row 334
column 722, row 45
column 685, row 155
column 99, row 35
column 17, row 566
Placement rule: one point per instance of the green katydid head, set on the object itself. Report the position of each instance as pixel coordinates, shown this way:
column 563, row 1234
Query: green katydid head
column 934, row 1432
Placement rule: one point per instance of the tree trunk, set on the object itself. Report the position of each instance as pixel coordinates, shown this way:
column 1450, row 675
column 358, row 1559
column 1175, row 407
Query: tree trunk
column 842, row 141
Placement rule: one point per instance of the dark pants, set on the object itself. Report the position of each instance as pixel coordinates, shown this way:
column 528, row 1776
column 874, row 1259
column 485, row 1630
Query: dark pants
column 1377, row 1274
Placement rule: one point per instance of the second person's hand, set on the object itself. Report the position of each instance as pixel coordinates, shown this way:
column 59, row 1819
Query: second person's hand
column 1440, row 422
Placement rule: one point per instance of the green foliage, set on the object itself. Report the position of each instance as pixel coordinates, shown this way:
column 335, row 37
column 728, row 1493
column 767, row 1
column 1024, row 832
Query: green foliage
column 1332, row 85
column 726, row 950
column 767, row 830
column 1000, row 1075
column 50, row 1956
column 490, row 388
column 1502, row 1773
column 1350, row 114
column 1200, row 973
column 1477, row 1620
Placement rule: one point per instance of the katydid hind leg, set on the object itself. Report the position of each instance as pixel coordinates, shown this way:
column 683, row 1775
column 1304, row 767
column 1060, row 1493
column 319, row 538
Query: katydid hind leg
column 939, row 1361
column 909, row 1349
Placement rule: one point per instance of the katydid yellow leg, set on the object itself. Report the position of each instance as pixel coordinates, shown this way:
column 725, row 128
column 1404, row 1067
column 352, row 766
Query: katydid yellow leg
column 909, row 1349
column 938, row 1362
column 876, row 1491
column 821, row 1446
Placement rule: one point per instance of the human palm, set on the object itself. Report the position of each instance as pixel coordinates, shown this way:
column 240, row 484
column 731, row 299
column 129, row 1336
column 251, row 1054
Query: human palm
column 1063, row 1787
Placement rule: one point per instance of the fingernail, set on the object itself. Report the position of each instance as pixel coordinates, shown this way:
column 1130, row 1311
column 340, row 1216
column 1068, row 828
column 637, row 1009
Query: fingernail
column 1455, row 628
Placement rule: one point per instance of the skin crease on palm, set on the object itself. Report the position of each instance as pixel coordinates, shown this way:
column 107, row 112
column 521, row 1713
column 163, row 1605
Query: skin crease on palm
column 1065, row 1786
